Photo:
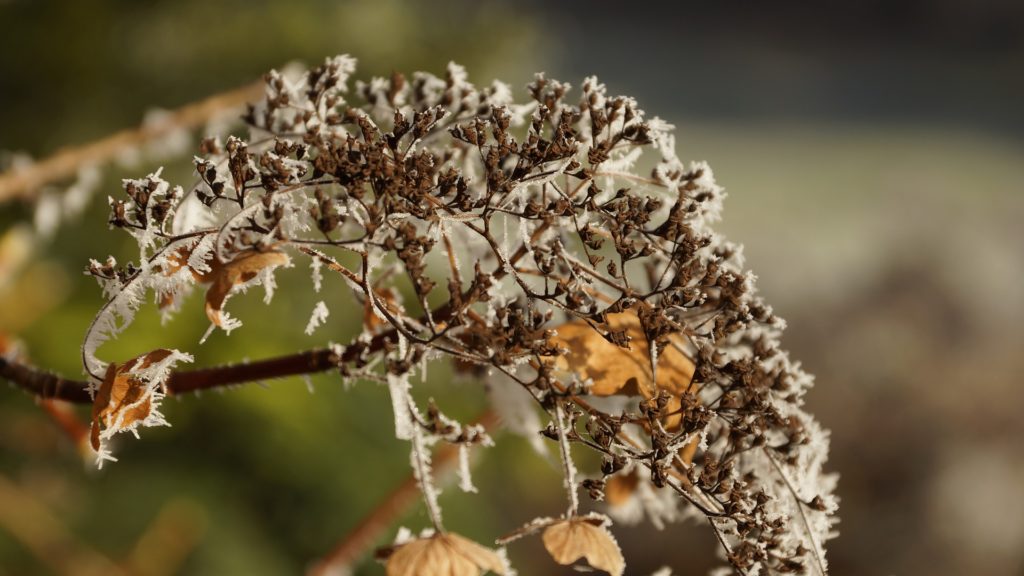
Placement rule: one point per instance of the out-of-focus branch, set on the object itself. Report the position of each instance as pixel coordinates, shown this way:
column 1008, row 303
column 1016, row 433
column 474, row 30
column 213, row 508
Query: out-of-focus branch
column 33, row 525
column 64, row 416
column 168, row 541
column 65, row 163
column 354, row 546
column 51, row 386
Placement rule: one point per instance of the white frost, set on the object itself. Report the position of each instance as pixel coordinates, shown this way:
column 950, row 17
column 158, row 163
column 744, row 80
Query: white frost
column 320, row 313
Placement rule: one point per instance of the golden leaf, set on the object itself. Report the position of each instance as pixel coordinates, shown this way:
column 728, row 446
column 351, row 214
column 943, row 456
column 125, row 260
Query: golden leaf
column 123, row 399
column 615, row 370
column 242, row 269
column 570, row 540
column 444, row 555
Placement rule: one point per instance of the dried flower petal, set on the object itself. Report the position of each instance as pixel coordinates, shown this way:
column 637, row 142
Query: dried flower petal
column 444, row 555
column 569, row 540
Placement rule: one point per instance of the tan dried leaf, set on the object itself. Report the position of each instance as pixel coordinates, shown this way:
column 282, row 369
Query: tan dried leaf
column 179, row 259
column 122, row 399
column 615, row 370
column 618, row 370
column 444, row 555
column 242, row 269
column 570, row 540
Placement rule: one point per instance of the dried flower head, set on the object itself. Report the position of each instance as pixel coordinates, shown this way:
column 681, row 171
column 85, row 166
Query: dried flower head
column 557, row 245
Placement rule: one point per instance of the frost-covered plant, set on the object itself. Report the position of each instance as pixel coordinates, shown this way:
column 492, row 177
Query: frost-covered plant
column 557, row 248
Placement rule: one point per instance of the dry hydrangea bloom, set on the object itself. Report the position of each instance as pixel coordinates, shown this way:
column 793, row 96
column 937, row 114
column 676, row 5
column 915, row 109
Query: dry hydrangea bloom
column 557, row 247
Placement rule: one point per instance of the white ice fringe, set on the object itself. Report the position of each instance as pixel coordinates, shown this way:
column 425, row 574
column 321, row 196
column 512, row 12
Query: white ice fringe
column 317, row 318
column 398, row 386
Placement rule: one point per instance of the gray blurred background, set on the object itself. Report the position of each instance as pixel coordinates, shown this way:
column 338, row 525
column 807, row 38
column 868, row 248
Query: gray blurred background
column 874, row 157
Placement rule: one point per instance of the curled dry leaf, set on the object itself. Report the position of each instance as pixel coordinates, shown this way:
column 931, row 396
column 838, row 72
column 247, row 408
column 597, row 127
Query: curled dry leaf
column 180, row 259
column 570, row 540
column 621, row 370
column 617, row 369
column 444, row 555
column 124, row 399
column 242, row 269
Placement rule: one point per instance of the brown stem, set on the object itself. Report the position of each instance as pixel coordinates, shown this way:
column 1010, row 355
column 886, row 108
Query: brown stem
column 24, row 183
column 50, row 386
column 355, row 544
column 308, row 362
column 44, row 384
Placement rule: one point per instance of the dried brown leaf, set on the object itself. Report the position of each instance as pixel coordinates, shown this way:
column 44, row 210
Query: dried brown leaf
column 570, row 540
column 242, row 269
column 179, row 259
column 618, row 370
column 444, row 555
column 119, row 402
column 615, row 370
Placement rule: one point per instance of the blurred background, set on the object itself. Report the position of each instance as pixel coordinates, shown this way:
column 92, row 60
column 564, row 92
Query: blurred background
column 874, row 158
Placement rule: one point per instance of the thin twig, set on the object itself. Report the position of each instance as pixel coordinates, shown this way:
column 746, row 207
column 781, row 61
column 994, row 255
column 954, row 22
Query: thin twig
column 568, row 467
